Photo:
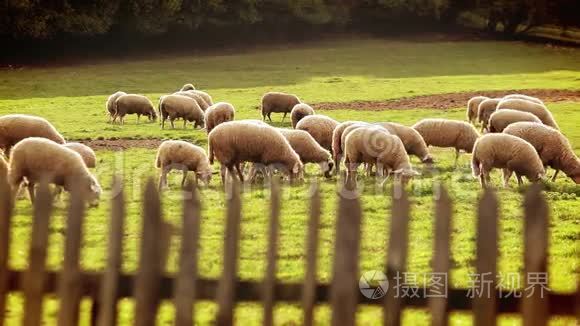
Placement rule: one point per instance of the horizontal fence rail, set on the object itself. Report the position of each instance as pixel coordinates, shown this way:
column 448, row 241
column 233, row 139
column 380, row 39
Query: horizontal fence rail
column 150, row 284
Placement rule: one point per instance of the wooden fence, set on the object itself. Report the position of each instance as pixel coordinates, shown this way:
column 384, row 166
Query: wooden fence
column 150, row 284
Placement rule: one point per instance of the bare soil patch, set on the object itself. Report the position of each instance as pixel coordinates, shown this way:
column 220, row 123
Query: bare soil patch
column 121, row 144
column 447, row 101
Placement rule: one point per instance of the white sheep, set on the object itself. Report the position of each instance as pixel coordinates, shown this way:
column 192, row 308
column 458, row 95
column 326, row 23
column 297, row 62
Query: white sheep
column 178, row 106
column 320, row 127
column 448, row 133
column 204, row 95
column 87, row 153
column 552, row 146
column 536, row 109
column 111, row 109
column 300, row 111
column 235, row 142
column 16, row 127
column 472, row 107
column 218, row 113
column 278, row 103
column 413, row 141
column 506, row 152
column 500, row 119
column 35, row 159
column 484, row 111
column 524, row 97
column 308, row 149
column 337, row 145
column 187, row 87
column 133, row 104
column 374, row 145
column 184, row 156
column 198, row 98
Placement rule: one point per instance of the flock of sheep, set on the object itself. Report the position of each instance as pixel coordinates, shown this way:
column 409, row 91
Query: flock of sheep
column 519, row 136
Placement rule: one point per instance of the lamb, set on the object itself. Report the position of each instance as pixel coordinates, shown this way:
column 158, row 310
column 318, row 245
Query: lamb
column 134, row 104
column 16, row 127
column 111, row 104
column 218, row 113
column 552, row 146
column 178, row 106
column 320, row 127
column 38, row 158
column 337, row 148
column 536, row 109
column 235, row 142
column 374, row 145
column 472, row 106
column 278, row 103
column 507, row 152
column 181, row 155
column 500, row 119
column 198, row 98
column 448, row 133
column 412, row 140
column 300, row 111
column 187, row 87
column 484, row 111
column 523, row 97
column 86, row 153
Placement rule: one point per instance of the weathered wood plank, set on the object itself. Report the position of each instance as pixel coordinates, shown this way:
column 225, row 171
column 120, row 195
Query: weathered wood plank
column 309, row 287
column 185, row 289
column 345, row 268
column 6, row 207
column 536, row 219
column 109, row 291
column 270, row 277
column 396, row 254
column 33, row 281
column 227, row 294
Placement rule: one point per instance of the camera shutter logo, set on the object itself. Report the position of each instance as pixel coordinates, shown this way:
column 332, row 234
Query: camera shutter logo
column 373, row 284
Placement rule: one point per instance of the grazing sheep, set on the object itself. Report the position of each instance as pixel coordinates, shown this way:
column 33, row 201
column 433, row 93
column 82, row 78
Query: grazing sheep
column 552, row 146
column 337, row 142
column 278, row 102
column 484, row 111
column 181, row 155
column 500, row 119
column 187, row 87
column 472, row 107
column 523, row 97
column 177, row 106
column 374, row 145
column 414, row 143
column 235, row 142
column 86, row 153
column 320, row 127
column 536, row 109
column 448, row 133
column 35, row 159
column 300, row 111
column 111, row 104
column 200, row 101
column 218, row 113
column 205, row 96
column 16, row 127
column 133, row 104
column 308, row 149
column 507, row 152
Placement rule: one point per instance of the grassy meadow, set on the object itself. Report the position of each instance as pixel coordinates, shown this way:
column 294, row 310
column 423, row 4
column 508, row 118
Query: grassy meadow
column 73, row 98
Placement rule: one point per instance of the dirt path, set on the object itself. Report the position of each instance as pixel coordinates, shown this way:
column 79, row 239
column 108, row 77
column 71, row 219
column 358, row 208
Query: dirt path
column 447, row 101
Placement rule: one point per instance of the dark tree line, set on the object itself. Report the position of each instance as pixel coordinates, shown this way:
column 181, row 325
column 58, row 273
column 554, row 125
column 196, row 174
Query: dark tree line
column 46, row 19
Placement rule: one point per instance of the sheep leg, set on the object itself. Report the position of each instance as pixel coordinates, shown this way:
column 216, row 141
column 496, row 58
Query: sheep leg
column 284, row 117
column 507, row 174
column 555, row 175
column 223, row 173
column 163, row 123
column 184, row 177
column 184, row 124
column 520, row 180
column 269, row 116
column 456, row 157
column 171, row 121
column 31, row 191
column 163, row 177
column 240, row 173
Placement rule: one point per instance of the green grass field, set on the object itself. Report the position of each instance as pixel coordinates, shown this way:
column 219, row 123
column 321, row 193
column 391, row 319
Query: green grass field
column 73, row 98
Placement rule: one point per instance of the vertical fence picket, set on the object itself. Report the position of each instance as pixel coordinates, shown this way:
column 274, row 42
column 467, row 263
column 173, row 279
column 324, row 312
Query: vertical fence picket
column 150, row 260
column 110, row 282
column 35, row 276
column 535, row 301
column 5, row 227
column 484, row 281
column 309, row 287
column 69, row 284
column 270, row 277
column 441, row 258
column 344, row 292
column 396, row 254
column 185, row 290
column 227, row 285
